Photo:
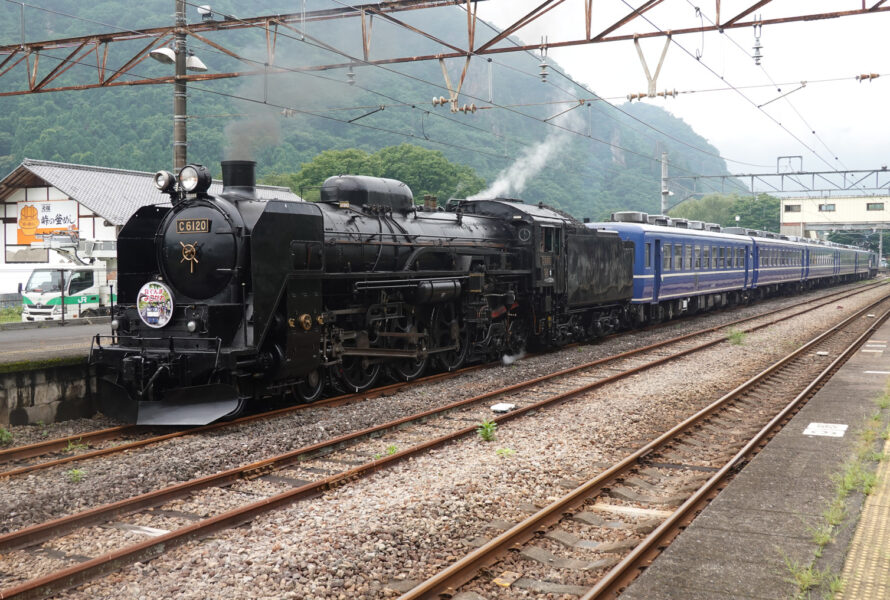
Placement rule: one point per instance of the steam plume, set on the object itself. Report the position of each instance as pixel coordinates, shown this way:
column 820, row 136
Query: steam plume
column 512, row 180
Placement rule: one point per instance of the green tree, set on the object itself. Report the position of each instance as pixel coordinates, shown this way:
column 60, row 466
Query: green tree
column 713, row 208
column 761, row 212
column 327, row 164
column 425, row 171
column 428, row 172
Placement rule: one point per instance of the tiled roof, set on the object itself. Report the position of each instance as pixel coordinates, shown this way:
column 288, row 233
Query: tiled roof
column 113, row 194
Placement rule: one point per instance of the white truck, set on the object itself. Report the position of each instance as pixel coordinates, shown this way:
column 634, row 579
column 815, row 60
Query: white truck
column 67, row 292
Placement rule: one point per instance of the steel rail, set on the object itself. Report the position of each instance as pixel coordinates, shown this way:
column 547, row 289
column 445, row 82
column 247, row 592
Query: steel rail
column 451, row 578
column 625, row 571
column 56, row 445
column 59, row 444
column 42, row 448
column 76, row 574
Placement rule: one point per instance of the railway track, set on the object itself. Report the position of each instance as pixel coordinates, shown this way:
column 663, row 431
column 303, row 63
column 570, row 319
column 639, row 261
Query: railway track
column 19, row 460
column 596, row 538
column 178, row 513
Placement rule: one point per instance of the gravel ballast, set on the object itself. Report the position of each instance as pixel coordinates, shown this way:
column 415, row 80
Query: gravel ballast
column 362, row 540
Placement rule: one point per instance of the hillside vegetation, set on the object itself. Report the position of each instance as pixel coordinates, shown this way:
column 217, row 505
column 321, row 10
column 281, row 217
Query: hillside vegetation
column 590, row 161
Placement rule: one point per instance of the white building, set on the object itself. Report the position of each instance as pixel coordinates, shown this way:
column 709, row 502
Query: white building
column 89, row 203
column 816, row 217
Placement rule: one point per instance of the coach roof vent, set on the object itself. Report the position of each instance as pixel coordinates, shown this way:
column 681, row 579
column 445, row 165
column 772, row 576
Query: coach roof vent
column 735, row 230
column 680, row 223
column 630, row 216
column 697, row 225
column 662, row 220
column 713, row 227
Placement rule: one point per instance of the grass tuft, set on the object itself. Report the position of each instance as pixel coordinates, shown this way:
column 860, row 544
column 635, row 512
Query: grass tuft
column 486, row 430
column 736, row 337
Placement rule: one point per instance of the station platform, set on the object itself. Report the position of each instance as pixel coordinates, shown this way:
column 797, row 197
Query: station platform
column 764, row 537
column 21, row 343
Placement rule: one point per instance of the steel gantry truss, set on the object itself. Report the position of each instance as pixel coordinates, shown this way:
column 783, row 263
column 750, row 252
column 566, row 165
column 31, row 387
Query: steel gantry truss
column 24, row 59
column 827, row 183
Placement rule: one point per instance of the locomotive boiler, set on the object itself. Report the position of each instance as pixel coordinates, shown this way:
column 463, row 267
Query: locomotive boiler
column 229, row 299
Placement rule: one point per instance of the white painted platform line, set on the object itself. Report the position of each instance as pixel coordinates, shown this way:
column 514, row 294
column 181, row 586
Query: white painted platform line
column 876, row 345
column 877, row 341
column 873, row 351
column 877, row 372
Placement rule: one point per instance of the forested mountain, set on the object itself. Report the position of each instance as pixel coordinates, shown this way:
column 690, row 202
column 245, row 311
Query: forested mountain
column 596, row 159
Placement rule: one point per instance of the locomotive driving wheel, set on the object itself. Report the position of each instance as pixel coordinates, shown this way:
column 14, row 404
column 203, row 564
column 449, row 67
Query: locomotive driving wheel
column 446, row 330
column 408, row 369
column 311, row 388
column 358, row 373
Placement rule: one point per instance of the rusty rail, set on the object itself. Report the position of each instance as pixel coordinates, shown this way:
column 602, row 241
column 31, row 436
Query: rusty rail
column 448, row 580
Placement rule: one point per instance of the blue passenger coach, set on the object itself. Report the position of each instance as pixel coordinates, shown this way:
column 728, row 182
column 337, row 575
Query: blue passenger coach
column 688, row 266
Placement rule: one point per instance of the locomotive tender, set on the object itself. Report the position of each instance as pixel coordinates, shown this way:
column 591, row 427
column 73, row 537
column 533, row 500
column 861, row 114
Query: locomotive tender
column 224, row 300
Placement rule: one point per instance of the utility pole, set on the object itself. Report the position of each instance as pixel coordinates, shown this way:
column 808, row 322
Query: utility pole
column 179, row 87
column 664, row 183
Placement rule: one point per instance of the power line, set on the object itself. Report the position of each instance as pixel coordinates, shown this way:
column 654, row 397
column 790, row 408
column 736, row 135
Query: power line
column 737, row 90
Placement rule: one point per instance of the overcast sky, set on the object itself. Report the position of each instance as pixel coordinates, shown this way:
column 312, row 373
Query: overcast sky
column 848, row 117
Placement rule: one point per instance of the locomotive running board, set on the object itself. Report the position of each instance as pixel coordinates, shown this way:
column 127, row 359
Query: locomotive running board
column 196, row 405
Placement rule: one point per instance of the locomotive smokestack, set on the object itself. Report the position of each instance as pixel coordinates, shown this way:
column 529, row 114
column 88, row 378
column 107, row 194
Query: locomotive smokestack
column 239, row 177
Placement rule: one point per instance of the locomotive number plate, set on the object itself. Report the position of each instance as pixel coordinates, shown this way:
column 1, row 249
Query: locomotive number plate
column 192, row 225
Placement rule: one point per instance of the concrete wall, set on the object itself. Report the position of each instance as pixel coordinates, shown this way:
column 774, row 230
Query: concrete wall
column 48, row 393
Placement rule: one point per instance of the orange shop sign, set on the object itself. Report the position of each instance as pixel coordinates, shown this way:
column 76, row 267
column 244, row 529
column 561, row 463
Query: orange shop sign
column 43, row 217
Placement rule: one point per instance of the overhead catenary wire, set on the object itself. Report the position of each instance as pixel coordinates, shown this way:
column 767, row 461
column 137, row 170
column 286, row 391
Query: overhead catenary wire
column 303, row 39
column 597, row 97
column 310, row 40
column 734, row 88
column 786, row 99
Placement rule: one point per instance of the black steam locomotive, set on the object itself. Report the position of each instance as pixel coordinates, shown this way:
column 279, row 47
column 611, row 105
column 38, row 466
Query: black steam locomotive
column 229, row 299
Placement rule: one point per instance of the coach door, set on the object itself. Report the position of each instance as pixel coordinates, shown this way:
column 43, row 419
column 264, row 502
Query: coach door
column 656, row 265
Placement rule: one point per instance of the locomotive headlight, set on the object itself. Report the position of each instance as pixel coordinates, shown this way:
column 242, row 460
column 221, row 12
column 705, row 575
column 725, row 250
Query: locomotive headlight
column 115, row 324
column 165, row 181
column 192, row 326
column 194, row 179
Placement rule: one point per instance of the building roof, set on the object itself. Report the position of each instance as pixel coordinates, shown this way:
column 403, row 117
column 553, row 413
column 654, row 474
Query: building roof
column 113, row 194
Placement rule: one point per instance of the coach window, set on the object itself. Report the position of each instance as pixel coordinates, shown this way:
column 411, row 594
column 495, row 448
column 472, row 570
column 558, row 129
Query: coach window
column 678, row 257
column 740, row 257
column 697, row 258
column 706, row 258
column 647, row 259
column 667, row 257
column 688, row 254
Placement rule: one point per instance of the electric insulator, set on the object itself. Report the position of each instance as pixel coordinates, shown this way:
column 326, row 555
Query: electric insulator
column 440, row 101
column 544, row 66
column 350, row 76
column 865, row 76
